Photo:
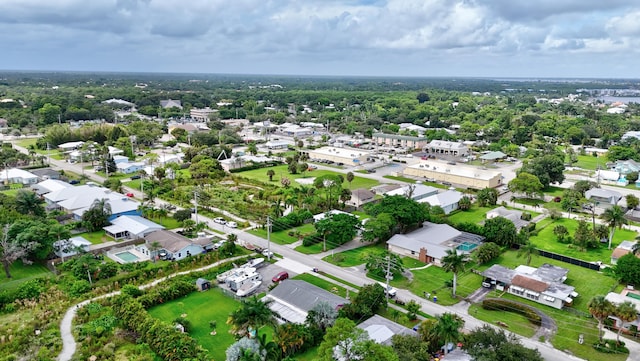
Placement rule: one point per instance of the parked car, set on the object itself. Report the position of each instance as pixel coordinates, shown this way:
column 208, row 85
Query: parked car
column 130, row 195
column 232, row 224
column 280, row 277
column 137, row 176
column 219, row 244
column 74, row 181
column 267, row 253
column 219, row 220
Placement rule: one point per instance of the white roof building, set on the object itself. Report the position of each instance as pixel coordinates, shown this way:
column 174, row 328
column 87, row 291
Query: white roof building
column 131, row 227
column 70, row 145
column 448, row 200
column 17, row 175
column 71, row 247
column 49, row 185
column 416, row 191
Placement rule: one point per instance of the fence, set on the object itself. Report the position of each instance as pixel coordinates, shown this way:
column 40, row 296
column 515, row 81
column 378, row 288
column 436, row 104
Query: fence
column 578, row 262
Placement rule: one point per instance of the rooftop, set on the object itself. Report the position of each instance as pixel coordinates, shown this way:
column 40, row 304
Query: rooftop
column 381, row 329
column 457, row 169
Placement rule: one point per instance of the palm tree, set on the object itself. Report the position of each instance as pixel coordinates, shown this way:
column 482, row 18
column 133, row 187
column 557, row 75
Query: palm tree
column 614, row 217
column 154, row 247
column 350, row 177
column 252, row 314
column 454, row 262
column 448, row 328
column 600, row 309
column 289, row 337
column 626, row 312
column 270, row 174
column 527, row 250
column 27, row 202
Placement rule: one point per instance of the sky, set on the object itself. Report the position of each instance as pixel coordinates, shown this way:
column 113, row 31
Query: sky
column 414, row 38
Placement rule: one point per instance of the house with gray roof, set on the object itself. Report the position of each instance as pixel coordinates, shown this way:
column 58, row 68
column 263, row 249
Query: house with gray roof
column 130, row 227
column 173, row 245
column 603, row 197
column 48, row 186
column 514, row 215
column 360, row 197
column 413, row 191
column 492, row 156
column 293, row 299
column 381, row 330
column 431, row 242
column 544, row 284
column 448, row 200
column 171, row 103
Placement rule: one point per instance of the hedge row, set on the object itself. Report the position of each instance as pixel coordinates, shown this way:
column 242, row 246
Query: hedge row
column 510, row 306
column 255, row 166
column 166, row 292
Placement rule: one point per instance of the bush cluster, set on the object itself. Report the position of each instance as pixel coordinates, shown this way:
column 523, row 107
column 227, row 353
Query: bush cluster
column 167, row 291
column 610, row 346
column 510, row 306
column 293, row 219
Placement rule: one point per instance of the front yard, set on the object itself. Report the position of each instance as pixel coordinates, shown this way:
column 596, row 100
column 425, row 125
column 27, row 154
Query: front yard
column 281, row 172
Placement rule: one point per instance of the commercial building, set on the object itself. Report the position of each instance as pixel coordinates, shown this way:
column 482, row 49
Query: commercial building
column 401, row 141
column 458, row 174
column 446, row 147
column 340, row 155
column 201, row 115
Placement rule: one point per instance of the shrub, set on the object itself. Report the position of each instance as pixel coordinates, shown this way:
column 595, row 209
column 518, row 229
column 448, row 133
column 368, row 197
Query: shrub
column 79, row 288
column 610, row 346
column 311, row 240
column 526, row 216
column 30, row 289
column 510, row 306
column 132, row 291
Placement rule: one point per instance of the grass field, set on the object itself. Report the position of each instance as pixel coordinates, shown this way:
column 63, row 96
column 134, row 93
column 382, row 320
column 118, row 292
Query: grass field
column 516, row 322
column 282, row 237
column 281, row 171
column 96, row 237
column 432, row 280
column 546, row 240
column 21, row 273
column 474, row 215
column 590, row 162
column 199, row 308
column 354, row 257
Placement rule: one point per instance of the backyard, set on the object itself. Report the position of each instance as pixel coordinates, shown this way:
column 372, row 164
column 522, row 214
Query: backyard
column 200, row 310
column 21, row 273
column 283, row 237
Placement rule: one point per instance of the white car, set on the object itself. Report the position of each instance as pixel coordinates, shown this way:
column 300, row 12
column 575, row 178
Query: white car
column 232, row 224
column 219, row 220
column 267, row 253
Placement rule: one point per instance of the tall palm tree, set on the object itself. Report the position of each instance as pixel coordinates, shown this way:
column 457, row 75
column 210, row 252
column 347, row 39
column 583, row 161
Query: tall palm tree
column 614, row 217
column 252, row 314
column 626, row 312
column 28, row 202
column 448, row 328
column 600, row 309
column 454, row 262
column 528, row 250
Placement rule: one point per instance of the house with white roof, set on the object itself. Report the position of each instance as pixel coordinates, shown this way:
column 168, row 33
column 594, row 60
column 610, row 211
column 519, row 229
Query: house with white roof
column 277, row 144
column 49, row 185
column 71, row 247
column 414, row 191
column 69, row 146
column 17, row 176
column 130, row 167
column 514, row 215
column 296, row 131
column 132, row 227
column 431, row 242
column 78, row 199
column 117, row 159
column 544, row 284
column 321, row 216
column 381, row 330
column 171, row 103
column 448, row 200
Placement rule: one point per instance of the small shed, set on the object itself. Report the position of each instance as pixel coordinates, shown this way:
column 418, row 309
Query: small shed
column 203, row 284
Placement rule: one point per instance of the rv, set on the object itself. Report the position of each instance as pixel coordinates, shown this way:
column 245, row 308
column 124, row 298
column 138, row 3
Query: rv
column 247, row 275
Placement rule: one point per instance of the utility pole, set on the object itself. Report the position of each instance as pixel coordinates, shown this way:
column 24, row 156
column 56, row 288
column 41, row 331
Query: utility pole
column 195, row 199
column 268, row 238
column 387, row 277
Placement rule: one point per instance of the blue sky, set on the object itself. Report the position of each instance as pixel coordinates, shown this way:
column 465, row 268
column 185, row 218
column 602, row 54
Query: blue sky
column 484, row 38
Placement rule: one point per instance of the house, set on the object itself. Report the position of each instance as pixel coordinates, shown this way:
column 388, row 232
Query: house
column 360, row 197
column 625, row 167
column 447, row 200
column 296, row 131
column 414, row 191
column 607, row 175
column 321, row 216
column 48, row 186
column 78, row 199
column 131, row 227
column 117, row 159
column 277, row 144
column 431, row 242
column 113, row 151
column 17, row 176
column 603, row 196
column 46, row 173
column 170, row 103
column 544, row 285
column 633, row 134
column 130, row 167
column 243, row 161
column 515, row 216
column 175, row 246
column 492, row 156
column 293, row 299
column 71, row 247
column 445, row 147
column 463, row 175
column 627, row 295
column 69, row 146
column 381, row 330
column 623, row 248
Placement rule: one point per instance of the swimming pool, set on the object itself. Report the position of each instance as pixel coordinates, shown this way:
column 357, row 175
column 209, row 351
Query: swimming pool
column 467, row 246
column 127, row 257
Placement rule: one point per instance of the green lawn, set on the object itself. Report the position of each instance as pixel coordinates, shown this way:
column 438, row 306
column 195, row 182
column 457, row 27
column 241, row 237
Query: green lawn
column 199, row 308
column 135, row 184
column 283, row 237
column 281, row 171
column 554, row 191
column 20, row 273
column 432, row 280
column 474, row 215
column 401, row 179
column 96, row 237
column 322, row 283
column 517, row 323
column 546, row 240
column 314, row 249
column 354, row 257
column 590, row 162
